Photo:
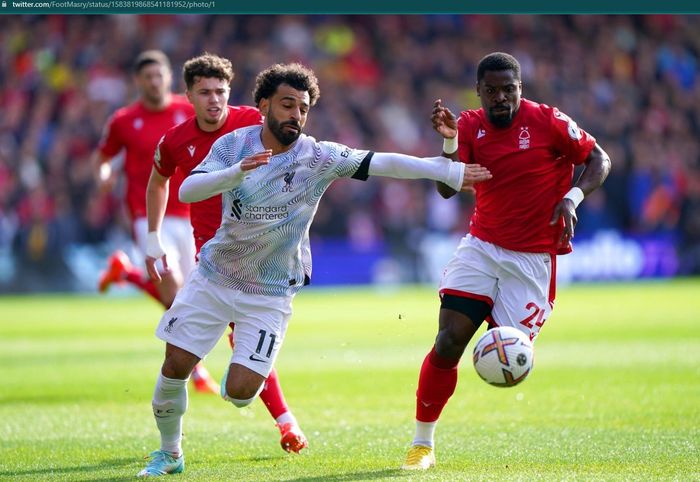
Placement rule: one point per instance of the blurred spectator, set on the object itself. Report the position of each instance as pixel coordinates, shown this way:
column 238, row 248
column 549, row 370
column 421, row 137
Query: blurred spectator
column 632, row 81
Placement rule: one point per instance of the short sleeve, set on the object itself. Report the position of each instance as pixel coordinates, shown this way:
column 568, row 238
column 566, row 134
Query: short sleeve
column 570, row 140
column 345, row 161
column 111, row 141
column 464, row 138
column 163, row 160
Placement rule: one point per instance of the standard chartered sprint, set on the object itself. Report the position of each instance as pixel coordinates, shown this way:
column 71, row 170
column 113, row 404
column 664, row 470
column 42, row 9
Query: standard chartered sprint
column 265, row 213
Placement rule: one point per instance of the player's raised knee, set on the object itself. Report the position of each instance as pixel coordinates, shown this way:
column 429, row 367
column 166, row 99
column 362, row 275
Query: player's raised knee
column 240, row 398
column 240, row 395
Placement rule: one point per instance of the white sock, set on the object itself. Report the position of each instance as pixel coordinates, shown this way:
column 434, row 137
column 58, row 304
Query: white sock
column 287, row 417
column 425, row 434
column 169, row 405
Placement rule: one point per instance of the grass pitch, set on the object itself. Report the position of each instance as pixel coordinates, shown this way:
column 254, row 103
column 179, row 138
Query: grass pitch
column 615, row 393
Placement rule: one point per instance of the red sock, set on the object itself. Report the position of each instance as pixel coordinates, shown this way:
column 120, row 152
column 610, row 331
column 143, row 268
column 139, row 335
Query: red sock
column 135, row 277
column 230, row 335
column 273, row 397
column 436, row 384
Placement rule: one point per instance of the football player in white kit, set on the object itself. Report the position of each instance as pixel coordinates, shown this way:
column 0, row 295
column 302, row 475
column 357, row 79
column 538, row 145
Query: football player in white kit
column 272, row 178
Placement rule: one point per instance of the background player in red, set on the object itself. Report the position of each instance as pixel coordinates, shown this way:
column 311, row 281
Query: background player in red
column 182, row 148
column 504, row 270
column 135, row 130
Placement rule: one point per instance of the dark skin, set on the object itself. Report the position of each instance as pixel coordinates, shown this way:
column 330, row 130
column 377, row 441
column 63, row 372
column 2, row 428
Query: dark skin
column 500, row 93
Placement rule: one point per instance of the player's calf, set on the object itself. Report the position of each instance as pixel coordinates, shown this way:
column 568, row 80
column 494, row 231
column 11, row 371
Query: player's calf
column 240, row 385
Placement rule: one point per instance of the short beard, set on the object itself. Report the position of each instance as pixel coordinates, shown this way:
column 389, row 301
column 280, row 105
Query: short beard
column 501, row 121
column 284, row 138
column 156, row 99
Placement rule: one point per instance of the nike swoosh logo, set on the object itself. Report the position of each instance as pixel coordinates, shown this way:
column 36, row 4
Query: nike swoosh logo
column 257, row 359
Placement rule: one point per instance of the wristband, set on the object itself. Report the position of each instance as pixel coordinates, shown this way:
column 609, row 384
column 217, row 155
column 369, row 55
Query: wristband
column 105, row 171
column 153, row 247
column 449, row 145
column 575, row 194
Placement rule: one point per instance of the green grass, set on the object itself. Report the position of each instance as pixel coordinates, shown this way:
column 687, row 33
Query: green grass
column 615, row 394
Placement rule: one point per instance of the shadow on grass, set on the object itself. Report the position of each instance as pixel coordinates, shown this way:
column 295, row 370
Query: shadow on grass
column 108, row 464
column 367, row 475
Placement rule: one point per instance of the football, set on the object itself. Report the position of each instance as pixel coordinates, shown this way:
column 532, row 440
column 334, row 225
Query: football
column 503, row 356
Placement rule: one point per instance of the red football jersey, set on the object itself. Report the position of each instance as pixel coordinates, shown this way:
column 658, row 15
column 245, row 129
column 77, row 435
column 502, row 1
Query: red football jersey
column 137, row 130
column 532, row 163
column 183, row 147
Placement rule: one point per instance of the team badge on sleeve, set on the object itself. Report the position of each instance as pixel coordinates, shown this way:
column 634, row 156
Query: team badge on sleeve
column 572, row 129
column 156, row 156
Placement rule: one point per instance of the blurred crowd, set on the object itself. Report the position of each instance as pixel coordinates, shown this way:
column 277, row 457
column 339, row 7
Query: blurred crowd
column 631, row 81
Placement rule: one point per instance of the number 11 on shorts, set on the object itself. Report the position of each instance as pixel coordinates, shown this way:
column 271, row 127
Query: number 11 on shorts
column 261, row 343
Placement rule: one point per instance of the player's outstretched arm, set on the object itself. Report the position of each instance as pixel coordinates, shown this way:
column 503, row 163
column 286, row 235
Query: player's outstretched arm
column 203, row 185
column 594, row 174
column 456, row 175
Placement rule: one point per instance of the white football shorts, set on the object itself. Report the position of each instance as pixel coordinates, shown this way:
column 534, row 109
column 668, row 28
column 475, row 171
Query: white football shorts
column 178, row 242
column 520, row 287
column 203, row 309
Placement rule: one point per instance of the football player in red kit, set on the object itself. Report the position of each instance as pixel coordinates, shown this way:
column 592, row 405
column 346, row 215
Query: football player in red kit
column 181, row 149
column 135, row 130
column 504, row 270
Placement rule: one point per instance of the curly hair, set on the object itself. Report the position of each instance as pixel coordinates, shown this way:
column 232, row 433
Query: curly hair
column 207, row 66
column 294, row 75
column 498, row 61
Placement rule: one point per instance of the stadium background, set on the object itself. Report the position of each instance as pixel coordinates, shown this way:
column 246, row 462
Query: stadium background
column 632, row 81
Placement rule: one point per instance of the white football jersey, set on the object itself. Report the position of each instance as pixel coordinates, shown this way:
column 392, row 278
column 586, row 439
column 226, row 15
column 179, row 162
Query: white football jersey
column 262, row 246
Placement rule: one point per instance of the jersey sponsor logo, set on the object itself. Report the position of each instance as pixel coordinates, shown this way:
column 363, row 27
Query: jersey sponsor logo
column 258, row 213
column 288, row 176
column 266, row 213
column 138, row 123
column 481, row 133
column 236, row 209
column 524, row 138
column 191, row 149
